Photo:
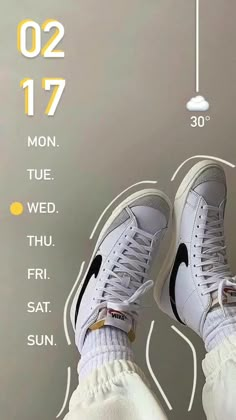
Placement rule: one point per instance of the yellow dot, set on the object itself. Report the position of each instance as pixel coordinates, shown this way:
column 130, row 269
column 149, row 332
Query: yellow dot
column 16, row 208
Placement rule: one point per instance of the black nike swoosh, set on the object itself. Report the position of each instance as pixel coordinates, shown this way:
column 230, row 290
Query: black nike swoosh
column 93, row 271
column 181, row 257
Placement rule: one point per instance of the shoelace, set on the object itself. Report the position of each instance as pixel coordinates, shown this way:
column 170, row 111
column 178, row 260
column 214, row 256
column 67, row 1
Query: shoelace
column 125, row 283
column 215, row 269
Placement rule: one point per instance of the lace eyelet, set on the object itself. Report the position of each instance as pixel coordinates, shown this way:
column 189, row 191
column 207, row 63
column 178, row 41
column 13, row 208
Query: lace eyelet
column 195, row 236
column 195, row 275
column 194, row 255
column 194, row 265
column 198, row 284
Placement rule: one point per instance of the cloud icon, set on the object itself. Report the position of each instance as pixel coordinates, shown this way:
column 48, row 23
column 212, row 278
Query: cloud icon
column 198, row 103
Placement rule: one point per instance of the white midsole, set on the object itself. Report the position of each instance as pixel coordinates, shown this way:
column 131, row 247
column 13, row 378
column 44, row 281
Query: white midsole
column 179, row 204
column 125, row 203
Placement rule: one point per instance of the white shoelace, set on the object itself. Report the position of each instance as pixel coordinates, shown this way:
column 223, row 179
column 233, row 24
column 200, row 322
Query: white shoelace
column 125, row 283
column 215, row 269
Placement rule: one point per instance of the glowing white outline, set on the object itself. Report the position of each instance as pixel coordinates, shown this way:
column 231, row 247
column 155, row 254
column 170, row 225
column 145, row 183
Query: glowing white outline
column 113, row 201
column 67, row 302
column 67, row 392
column 150, row 368
column 194, row 365
column 201, row 157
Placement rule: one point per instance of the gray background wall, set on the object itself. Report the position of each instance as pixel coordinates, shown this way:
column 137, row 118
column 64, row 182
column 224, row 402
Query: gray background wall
column 129, row 68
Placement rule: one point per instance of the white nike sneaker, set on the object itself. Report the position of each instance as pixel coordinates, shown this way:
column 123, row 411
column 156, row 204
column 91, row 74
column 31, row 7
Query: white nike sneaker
column 195, row 275
column 117, row 275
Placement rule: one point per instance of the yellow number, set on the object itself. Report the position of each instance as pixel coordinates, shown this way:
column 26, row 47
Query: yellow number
column 49, row 49
column 36, row 38
column 28, row 85
column 59, row 85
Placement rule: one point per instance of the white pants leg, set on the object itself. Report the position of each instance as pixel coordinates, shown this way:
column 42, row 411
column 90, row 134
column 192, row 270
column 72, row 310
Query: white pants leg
column 219, row 392
column 116, row 391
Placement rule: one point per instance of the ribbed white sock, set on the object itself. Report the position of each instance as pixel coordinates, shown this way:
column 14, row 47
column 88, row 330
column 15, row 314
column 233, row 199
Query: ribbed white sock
column 219, row 326
column 103, row 346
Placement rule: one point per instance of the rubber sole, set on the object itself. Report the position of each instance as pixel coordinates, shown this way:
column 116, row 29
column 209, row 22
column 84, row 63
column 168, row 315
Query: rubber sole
column 125, row 203
column 179, row 204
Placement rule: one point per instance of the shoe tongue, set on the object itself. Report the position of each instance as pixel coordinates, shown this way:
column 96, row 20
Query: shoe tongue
column 221, row 255
column 229, row 292
column 213, row 192
column 115, row 318
column 149, row 219
column 126, row 279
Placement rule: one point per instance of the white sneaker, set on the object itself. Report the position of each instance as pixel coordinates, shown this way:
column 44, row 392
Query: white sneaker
column 117, row 276
column 195, row 275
